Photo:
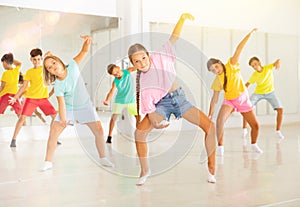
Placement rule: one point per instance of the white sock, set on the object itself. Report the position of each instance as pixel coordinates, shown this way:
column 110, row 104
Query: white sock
column 256, row 148
column 47, row 165
column 245, row 132
column 279, row 135
column 211, row 178
column 105, row 162
column 220, row 151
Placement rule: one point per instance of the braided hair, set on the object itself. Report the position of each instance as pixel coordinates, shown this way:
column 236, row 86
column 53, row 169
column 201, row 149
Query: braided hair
column 133, row 49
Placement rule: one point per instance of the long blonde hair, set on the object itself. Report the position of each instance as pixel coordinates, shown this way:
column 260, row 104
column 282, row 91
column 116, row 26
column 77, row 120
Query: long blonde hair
column 48, row 77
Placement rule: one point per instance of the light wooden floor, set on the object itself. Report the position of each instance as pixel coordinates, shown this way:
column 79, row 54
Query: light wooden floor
column 243, row 179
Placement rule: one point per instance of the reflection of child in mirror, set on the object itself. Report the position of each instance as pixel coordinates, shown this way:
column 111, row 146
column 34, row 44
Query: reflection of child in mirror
column 9, row 83
column 35, row 92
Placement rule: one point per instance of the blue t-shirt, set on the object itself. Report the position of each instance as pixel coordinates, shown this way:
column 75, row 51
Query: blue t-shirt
column 73, row 89
column 125, row 86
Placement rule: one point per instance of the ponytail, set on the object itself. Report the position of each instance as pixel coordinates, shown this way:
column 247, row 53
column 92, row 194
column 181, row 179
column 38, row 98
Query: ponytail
column 225, row 78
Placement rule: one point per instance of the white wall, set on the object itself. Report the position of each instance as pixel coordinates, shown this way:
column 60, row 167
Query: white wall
column 276, row 16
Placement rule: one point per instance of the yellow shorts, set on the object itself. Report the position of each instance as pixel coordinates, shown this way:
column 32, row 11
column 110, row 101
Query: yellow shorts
column 131, row 108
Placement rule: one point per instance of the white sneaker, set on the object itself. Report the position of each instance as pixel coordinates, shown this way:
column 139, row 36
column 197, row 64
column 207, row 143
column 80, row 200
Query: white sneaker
column 143, row 179
column 105, row 162
column 47, row 166
column 220, row 151
column 211, row 178
column 255, row 148
column 279, row 135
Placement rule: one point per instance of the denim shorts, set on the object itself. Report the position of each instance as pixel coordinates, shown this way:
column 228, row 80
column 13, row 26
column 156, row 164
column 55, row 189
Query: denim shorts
column 173, row 103
column 270, row 97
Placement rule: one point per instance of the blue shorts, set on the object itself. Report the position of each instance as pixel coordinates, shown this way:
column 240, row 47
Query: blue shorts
column 82, row 116
column 173, row 103
column 270, row 97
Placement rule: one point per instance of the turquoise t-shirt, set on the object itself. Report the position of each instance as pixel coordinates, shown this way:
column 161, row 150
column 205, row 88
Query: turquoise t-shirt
column 73, row 89
column 126, row 91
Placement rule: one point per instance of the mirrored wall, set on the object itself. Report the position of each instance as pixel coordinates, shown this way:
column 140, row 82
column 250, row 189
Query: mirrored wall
column 23, row 29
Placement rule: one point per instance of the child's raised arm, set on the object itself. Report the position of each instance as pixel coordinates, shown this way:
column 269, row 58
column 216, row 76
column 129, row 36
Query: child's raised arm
column 17, row 63
column 277, row 64
column 84, row 50
column 178, row 27
column 236, row 56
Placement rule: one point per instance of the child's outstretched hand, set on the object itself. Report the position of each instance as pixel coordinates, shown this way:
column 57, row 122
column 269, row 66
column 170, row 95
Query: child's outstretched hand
column 87, row 38
column 12, row 100
column 64, row 123
column 253, row 30
column 187, row 16
column 105, row 103
column 277, row 64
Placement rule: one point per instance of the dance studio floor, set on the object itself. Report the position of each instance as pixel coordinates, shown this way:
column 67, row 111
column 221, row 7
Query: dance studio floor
column 76, row 180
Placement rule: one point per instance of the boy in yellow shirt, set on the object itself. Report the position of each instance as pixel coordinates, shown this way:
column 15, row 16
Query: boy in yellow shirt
column 264, row 79
column 9, row 83
column 36, row 93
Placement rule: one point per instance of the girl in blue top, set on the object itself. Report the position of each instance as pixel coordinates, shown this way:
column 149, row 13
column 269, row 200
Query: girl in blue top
column 74, row 104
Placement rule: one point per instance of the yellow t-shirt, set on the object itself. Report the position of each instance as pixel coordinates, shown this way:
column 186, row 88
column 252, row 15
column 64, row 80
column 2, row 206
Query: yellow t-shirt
column 11, row 79
column 264, row 80
column 235, row 84
column 36, row 88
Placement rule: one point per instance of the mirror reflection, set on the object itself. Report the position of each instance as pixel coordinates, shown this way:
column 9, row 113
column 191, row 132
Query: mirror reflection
column 24, row 29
